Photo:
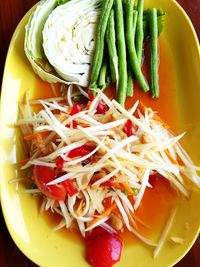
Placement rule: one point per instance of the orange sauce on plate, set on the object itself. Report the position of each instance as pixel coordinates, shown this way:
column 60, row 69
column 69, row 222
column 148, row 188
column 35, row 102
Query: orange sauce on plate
column 158, row 201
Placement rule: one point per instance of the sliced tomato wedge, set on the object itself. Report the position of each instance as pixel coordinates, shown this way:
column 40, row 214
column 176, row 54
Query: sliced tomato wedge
column 103, row 249
column 43, row 175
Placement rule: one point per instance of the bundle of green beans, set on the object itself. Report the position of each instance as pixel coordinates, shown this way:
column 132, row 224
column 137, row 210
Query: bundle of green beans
column 122, row 30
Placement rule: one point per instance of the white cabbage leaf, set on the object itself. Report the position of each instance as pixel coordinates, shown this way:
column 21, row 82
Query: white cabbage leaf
column 60, row 40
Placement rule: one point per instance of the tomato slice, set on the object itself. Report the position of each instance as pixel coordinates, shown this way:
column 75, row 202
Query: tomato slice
column 43, row 175
column 103, row 249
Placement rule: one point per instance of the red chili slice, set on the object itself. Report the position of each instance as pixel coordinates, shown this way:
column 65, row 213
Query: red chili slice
column 59, row 163
column 70, row 188
column 75, row 109
column 102, row 108
column 80, row 151
column 128, row 128
column 90, row 95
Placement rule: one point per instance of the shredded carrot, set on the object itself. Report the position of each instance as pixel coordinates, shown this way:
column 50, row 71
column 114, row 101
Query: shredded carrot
column 23, row 162
column 88, row 105
column 142, row 108
column 127, row 188
column 139, row 220
column 35, row 136
column 79, row 209
column 172, row 159
column 103, row 214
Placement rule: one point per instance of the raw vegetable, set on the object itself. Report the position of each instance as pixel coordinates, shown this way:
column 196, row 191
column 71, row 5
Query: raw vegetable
column 112, row 50
column 121, row 46
column 139, row 31
column 100, row 36
column 65, row 42
column 43, row 175
column 68, row 41
column 96, row 174
column 104, row 249
column 134, row 62
column 33, row 41
column 154, row 52
column 60, row 47
column 110, row 148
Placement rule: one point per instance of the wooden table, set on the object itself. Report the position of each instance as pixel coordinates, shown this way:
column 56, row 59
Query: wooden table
column 11, row 12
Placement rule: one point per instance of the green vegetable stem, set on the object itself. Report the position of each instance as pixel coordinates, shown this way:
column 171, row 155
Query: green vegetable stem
column 112, row 50
column 100, row 36
column 121, row 46
column 130, row 32
column 102, row 76
column 154, row 52
column 139, row 31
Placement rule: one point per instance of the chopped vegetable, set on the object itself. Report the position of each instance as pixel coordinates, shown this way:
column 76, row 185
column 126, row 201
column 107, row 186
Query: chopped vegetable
column 104, row 249
column 60, row 47
column 96, row 174
column 42, row 176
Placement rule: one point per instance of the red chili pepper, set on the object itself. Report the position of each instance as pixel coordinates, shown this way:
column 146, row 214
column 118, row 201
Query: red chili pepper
column 75, row 109
column 102, row 108
column 108, row 183
column 128, row 128
column 90, row 95
column 69, row 187
column 80, row 151
column 74, row 124
column 59, row 163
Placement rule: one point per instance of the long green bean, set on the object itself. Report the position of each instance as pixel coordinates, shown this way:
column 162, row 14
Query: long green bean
column 130, row 84
column 102, row 75
column 111, row 43
column 154, row 52
column 135, row 66
column 100, row 36
column 139, row 31
column 130, row 87
column 121, row 46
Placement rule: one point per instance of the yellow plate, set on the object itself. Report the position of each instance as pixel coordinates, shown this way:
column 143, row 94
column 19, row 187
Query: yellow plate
column 30, row 230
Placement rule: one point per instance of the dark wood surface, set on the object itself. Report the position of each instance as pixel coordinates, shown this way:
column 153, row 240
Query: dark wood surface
column 11, row 12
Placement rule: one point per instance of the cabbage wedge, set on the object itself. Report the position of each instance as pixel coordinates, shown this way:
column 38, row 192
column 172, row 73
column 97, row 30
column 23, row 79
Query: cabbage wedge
column 60, row 40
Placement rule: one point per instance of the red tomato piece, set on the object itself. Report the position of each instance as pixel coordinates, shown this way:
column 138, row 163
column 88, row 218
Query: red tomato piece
column 104, row 250
column 43, row 175
column 94, row 233
column 70, row 188
column 75, row 109
column 80, row 151
column 153, row 178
